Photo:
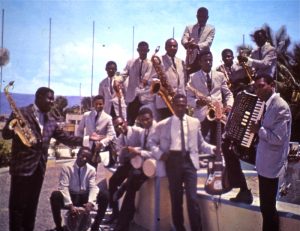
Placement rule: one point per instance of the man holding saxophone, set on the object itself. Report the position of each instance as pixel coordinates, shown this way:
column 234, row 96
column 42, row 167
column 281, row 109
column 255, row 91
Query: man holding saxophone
column 205, row 87
column 172, row 77
column 28, row 159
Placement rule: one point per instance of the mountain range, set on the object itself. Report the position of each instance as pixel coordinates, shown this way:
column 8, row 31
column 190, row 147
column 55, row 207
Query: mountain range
column 22, row 100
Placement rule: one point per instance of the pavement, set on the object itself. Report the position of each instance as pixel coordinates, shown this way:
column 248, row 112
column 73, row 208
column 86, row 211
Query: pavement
column 44, row 219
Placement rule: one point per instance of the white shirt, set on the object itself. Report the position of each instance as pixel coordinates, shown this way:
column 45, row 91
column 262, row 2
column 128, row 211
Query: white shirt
column 176, row 133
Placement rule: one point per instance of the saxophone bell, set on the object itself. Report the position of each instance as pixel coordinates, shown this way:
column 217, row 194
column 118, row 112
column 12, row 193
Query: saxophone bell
column 155, row 86
column 211, row 114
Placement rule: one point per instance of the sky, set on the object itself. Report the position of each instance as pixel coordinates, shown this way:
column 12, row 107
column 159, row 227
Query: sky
column 118, row 27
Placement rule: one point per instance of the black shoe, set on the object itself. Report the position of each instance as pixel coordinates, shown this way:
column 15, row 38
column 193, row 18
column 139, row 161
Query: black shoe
column 244, row 196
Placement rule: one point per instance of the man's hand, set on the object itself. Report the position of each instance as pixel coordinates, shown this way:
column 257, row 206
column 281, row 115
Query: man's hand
column 88, row 207
column 242, row 59
column 96, row 137
column 201, row 102
column 99, row 146
column 133, row 150
column 254, row 127
column 74, row 210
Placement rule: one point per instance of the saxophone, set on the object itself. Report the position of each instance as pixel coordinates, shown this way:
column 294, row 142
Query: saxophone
column 20, row 125
column 161, row 86
column 211, row 105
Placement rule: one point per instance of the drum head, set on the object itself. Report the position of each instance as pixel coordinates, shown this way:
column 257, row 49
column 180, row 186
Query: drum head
column 81, row 222
column 136, row 162
column 104, row 158
column 149, row 167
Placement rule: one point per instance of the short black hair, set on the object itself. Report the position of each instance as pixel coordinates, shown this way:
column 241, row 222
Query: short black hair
column 225, row 51
column 110, row 63
column 82, row 149
column 268, row 78
column 145, row 110
column 202, row 10
column 262, row 31
column 204, row 52
column 98, row 97
column 179, row 96
column 143, row 43
column 42, row 91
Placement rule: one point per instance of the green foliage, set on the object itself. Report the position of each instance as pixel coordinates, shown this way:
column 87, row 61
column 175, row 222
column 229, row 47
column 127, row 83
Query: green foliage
column 5, row 152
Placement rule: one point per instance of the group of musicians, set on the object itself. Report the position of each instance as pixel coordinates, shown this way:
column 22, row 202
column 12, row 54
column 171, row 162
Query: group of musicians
column 181, row 96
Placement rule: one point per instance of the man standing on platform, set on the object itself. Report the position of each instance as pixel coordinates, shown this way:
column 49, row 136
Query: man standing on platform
column 138, row 93
column 196, row 38
column 176, row 141
column 274, row 133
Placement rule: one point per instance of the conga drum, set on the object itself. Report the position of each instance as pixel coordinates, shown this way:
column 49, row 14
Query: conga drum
column 81, row 222
column 149, row 167
column 137, row 162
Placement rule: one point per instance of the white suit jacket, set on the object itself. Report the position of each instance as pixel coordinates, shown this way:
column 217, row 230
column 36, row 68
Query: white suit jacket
column 274, row 136
column 175, row 77
column 204, row 41
column 160, row 140
column 220, row 91
column 103, row 126
column 267, row 64
column 132, row 72
column 111, row 98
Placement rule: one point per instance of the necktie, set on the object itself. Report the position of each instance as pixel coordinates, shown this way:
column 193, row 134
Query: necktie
column 96, row 117
column 79, row 179
column 111, row 85
column 145, row 138
column 259, row 53
column 182, row 137
column 208, row 81
column 141, row 68
column 199, row 31
column 173, row 61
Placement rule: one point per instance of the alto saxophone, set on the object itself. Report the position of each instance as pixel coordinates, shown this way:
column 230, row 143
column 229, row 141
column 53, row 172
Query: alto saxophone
column 211, row 108
column 161, row 86
column 20, row 125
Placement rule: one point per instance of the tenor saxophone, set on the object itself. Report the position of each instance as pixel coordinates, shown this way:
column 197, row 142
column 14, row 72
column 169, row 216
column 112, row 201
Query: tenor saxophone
column 161, row 86
column 20, row 125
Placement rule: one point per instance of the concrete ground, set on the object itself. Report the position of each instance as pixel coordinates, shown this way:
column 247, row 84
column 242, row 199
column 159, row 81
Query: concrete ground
column 44, row 219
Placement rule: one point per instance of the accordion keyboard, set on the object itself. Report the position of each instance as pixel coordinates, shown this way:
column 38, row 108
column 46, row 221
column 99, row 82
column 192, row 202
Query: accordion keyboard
column 247, row 108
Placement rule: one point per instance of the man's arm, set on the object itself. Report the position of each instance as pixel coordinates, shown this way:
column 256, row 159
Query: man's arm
column 64, row 184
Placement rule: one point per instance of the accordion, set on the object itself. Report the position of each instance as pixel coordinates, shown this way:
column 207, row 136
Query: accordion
column 247, row 108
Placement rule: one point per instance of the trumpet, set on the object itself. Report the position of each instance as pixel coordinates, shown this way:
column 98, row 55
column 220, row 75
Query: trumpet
column 248, row 71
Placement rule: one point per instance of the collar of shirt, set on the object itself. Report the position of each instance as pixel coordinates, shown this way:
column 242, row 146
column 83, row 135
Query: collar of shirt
column 39, row 116
column 204, row 73
column 268, row 102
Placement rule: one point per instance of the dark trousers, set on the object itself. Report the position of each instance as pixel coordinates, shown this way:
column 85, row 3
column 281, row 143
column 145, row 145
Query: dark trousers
column 133, row 110
column 209, row 131
column 133, row 184
column 115, row 181
column 57, row 204
column 181, row 171
column 267, row 196
column 23, row 200
column 236, row 176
